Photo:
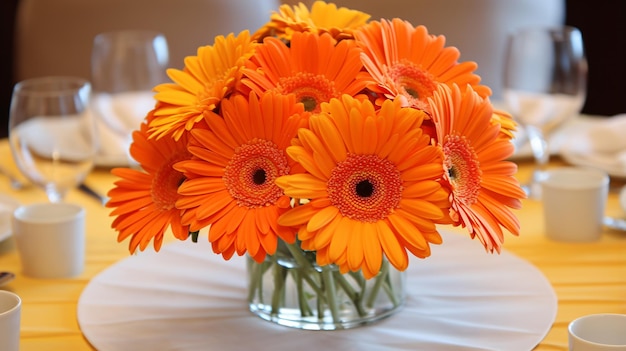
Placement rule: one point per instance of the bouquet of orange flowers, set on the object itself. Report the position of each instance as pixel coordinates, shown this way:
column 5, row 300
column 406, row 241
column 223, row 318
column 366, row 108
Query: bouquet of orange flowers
column 324, row 135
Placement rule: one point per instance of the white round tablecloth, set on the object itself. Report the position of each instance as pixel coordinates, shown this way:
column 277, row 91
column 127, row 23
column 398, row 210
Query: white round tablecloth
column 187, row 298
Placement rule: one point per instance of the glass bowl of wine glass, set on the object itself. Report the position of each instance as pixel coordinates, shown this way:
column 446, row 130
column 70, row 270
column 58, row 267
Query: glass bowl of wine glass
column 545, row 84
column 52, row 133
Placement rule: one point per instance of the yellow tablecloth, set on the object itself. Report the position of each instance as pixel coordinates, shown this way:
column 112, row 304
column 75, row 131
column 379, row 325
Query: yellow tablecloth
column 587, row 277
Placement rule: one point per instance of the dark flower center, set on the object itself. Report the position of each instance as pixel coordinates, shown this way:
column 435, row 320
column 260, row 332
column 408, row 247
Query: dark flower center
column 250, row 174
column 309, row 103
column 310, row 89
column 452, row 173
column 412, row 92
column 166, row 180
column 364, row 188
column 462, row 168
column 258, row 177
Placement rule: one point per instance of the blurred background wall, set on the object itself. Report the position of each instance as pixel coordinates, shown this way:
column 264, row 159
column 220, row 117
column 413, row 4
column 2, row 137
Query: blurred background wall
column 602, row 22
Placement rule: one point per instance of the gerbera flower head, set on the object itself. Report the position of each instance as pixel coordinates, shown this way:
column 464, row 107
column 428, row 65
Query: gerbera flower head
column 198, row 89
column 508, row 126
column 408, row 62
column 482, row 183
column 230, row 180
column 312, row 67
column 144, row 200
column 322, row 18
column 372, row 181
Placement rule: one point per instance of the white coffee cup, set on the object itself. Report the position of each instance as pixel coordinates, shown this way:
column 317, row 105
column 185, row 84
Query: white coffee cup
column 10, row 314
column 598, row 332
column 50, row 239
column 574, row 199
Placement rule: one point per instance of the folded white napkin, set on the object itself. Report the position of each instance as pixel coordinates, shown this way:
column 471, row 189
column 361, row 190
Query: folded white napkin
column 58, row 137
column 600, row 143
column 608, row 136
column 113, row 145
column 117, row 115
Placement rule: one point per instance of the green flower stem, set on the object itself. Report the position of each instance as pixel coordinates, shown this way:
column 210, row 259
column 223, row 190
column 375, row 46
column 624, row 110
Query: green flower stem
column 305, row 310
column 305, row 265
column 356, row 297
column 378, row 282
column 255, row 280
column 321, row 293
column 358, row 277
column 298, row 255
column 280, row 276
column 390, row 293
column 331, row 294
column 389, row 289
column 345, row 285
column 320, row 302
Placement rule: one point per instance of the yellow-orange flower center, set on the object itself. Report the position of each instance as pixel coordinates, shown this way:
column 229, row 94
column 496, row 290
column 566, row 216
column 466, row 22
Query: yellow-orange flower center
column 462, row 168
column 165, row 182
column 414, row 83
column 251, row 173
column 310, row 89
column 365, row 187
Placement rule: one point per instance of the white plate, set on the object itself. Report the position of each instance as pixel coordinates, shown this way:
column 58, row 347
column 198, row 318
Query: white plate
column 7, row 205
column 187, row 298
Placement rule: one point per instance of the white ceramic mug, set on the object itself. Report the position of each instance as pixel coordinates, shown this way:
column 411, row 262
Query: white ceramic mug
column 598, row 332
column 50, row 239
column 574, row 199
column 10, row 315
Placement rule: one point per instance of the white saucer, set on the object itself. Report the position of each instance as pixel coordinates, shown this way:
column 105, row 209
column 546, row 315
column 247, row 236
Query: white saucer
column 7, row 205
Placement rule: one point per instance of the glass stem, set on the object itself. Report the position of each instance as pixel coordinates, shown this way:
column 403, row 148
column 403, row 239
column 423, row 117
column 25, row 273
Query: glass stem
column 54, row 194
column 539, row 145
column 541, row 154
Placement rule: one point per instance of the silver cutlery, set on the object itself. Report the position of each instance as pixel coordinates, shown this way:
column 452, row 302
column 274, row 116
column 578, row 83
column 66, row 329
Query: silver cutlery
column 614, row 223
column 15, row 182
column 6, row 277
column 86, row 189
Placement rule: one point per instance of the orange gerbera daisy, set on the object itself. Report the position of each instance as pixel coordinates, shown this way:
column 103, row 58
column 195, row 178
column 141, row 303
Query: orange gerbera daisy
column 508, row 126
column 143, row 201
column 230, row 182
column 312, row 67
column 372, row 180
column 482, row 183
column 205, row 80
column 322, row 18
column 407, row 61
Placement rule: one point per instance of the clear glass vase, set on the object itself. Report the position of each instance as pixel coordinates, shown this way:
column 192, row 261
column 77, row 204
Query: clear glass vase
column 296, row 292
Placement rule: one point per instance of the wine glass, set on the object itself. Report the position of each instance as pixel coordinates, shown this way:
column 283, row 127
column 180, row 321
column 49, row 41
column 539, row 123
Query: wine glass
column 125, row 66
column 545, row 82
column 52, row 134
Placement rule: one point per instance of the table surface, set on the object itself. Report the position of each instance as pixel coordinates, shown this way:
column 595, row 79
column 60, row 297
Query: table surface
column 587, row 277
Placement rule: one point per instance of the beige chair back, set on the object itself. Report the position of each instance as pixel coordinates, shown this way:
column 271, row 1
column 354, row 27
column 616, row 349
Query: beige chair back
column 477, row 27
column 54, row 37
